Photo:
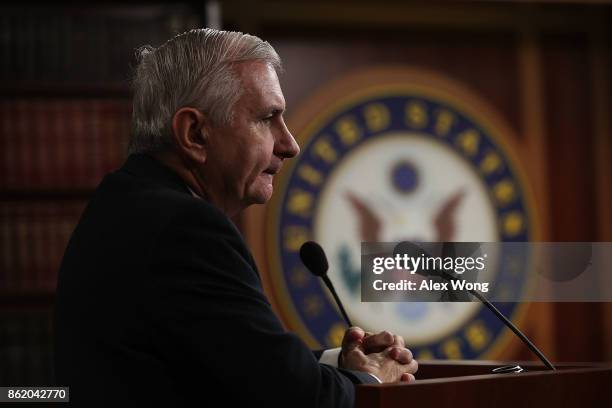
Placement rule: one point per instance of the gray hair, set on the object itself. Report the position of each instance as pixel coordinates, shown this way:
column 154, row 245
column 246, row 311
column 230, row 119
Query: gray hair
column 192, row 69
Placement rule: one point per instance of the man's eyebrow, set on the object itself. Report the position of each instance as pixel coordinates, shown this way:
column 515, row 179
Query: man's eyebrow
column 274, row 110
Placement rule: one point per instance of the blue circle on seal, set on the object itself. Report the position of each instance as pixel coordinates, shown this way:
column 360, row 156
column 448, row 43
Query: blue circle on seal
column 404, row 177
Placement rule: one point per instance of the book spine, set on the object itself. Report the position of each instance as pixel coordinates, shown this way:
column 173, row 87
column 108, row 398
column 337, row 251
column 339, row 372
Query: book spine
column 57, row 144
column 34, row 237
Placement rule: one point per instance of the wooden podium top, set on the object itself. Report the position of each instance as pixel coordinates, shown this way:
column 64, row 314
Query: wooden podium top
column 471, row 384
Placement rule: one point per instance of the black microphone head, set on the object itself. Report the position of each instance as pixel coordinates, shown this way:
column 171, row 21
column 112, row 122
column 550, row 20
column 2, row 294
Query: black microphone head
column 408, row 248
column 313, row 256
column 415, row 251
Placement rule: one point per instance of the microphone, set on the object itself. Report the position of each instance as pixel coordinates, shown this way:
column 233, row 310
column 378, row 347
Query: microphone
column 414, row 250
column 313, row 257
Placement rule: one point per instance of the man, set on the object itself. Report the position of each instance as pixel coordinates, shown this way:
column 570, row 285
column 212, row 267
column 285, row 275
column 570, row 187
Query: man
column 159, row 300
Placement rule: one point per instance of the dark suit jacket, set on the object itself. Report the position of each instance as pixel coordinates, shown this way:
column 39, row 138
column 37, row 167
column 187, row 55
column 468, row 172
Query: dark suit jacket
column 159, row 302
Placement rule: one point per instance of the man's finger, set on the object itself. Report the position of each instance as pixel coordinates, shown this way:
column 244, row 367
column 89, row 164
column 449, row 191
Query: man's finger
column 378, row 342
column 413, row 366
column 408, row 371
column 352, row 338
column 407, row 378
column 398, row 341
column 400, row 354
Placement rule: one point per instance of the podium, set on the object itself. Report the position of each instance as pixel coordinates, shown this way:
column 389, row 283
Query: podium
column 448, row 383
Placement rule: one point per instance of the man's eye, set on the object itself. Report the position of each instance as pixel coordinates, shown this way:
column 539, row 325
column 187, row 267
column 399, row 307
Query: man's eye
column 271, row 116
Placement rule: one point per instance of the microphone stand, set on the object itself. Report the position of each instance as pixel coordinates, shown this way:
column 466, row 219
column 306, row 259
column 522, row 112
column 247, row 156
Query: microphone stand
column 512, row 327
column 337, row 299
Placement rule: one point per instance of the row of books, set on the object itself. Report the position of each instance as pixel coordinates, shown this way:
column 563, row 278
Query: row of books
column 82, row 44
column 26, row 352
column 53, row 143
column 33, row 237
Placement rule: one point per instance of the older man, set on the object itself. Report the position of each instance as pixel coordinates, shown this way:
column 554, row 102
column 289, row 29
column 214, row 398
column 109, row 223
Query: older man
column 159, row 300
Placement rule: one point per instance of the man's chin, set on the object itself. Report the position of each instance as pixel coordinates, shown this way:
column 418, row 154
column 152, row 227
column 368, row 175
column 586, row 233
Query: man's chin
column 263, row 195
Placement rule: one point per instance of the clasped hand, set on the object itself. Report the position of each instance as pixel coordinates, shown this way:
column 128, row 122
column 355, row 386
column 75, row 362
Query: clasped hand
column 382, row 354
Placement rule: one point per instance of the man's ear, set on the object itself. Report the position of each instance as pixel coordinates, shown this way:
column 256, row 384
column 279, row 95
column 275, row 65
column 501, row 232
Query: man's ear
column 189, row 134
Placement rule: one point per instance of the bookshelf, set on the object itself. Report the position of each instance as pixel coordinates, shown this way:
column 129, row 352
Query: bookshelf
column 65, row 108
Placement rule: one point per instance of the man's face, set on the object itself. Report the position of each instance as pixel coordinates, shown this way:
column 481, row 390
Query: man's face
column 243, row 157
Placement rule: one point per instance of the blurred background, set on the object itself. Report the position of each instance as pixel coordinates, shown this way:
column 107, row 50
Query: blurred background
column 543, row 67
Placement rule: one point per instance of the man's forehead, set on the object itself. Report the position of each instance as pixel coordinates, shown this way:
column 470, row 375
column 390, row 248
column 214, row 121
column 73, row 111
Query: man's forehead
column 260, row 83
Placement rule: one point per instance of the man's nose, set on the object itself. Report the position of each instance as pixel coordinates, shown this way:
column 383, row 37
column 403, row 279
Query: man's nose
column 286, row 146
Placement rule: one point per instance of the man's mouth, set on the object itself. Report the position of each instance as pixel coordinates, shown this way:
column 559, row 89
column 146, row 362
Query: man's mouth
column 273, row 169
